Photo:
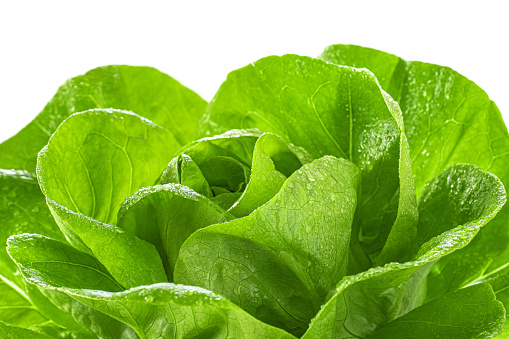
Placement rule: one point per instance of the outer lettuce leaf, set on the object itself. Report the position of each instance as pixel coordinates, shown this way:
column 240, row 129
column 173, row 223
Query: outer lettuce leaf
column 22, row 209
column 144, row 90
column 58, row 264
column 279, row 262
column 472, row 312
column 330, row 110
column 175, row 311
column 448, row 120
column 16, row 308
column 13, row 332
column 162, row 310
column 499, row 280
column 90, row 165
column 366, row 302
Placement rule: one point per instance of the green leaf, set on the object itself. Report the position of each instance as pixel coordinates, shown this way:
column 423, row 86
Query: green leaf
column 144, row 90
column 192, row 176
column 57, row 262
column 162, row 310
column 166, row 215
column 273, row 162
column 16, row 308
column 175, row 311
column 12, row 332
column 330, row 110
column 91, row 164
column 23, row 209
column 60, row 321
column 280, row 261
column 499, row 280
column 471, row 312
column 226, row 200
column 461, row 194
column 448, row 120
column 236, row 144
column 365, row 302
column 46, row 262
column 225, row 172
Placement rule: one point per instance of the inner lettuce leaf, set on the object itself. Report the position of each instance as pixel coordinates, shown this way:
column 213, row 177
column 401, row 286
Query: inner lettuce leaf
column 285, row 208
column 448, row 120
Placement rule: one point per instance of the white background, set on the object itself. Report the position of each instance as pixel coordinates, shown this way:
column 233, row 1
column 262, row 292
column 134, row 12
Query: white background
column 42, row 43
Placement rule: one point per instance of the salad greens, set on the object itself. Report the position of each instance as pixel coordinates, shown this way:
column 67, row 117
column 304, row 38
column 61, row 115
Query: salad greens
column 353, row 195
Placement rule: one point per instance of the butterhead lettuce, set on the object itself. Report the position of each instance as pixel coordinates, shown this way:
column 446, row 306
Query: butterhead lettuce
column 353, row 195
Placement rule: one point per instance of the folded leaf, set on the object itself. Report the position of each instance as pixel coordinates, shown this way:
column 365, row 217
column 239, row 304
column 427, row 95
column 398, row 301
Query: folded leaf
column 279, row 262
column 236, row 144
column 366, row 302
column 190, row 175
column 220, row 168
column 448, row 120
column 144, row 90
column 166, row 215
column 273, row 161
column 330, row 110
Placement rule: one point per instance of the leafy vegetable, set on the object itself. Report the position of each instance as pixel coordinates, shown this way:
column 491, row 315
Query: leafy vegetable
column 301, row 202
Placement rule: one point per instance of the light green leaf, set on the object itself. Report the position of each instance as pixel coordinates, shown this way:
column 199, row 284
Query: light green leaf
column 91, row 164
column 330, row 110
column 22, row 209
column 448, row 120
column 235, row 144
column 144, row 90
column 12, row 332
column 55, row 261
column 226, row 200
column 225, row 172
column 175, row 311
column 156, row 311
column 472, row 312
column 166, row 215
column 192, row 176
column 273, row 162
column 366, row 302
column 47, row 262
column 279, row 262
column 60, row 321
column 499, row 280
column 16, row 308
